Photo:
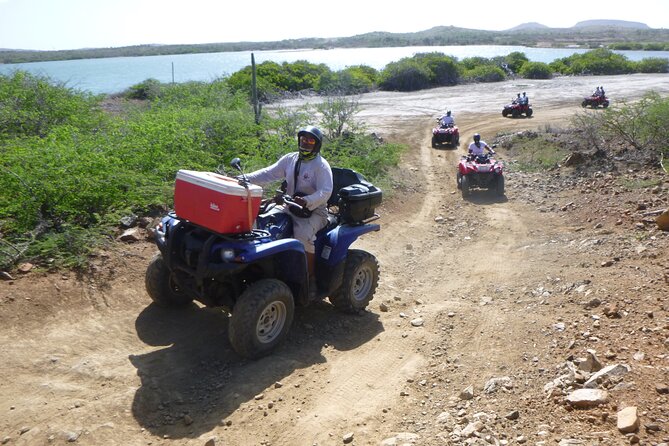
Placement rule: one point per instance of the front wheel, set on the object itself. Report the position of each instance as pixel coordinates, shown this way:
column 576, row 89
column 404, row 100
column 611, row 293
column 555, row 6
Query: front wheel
column 459, row 180
column 464, row 185
column 434, row 142
column 361, row 277
column 162, row 287
column 584, row 104
column 261, row 318
column 499, row 187
column 505, row 113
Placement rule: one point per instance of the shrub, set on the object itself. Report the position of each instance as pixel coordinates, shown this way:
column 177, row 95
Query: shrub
column 641, row 124
column 337, row 116
column 443, row 69
column 485, row 73
column 652, row 65
column 351, row 80
column 536, row 70
column 515, row 60
column 32, row 105
column 147, row 89
column 405, row 75
column 63, row 192
column 595, row 62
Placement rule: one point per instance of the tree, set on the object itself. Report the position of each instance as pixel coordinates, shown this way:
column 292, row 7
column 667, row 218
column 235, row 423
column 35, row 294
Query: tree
column 338, row 112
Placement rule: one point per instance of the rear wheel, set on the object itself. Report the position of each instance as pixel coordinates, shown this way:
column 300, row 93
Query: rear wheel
column 162, row 286
column 464, row 185
column 261, row 318
column 456, row 141
column 605, row 104
column 361, row 277
column 528, row 113
column 515, row 113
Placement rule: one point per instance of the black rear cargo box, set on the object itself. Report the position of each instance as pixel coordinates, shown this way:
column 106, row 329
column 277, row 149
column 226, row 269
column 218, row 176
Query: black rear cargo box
column 357, row 202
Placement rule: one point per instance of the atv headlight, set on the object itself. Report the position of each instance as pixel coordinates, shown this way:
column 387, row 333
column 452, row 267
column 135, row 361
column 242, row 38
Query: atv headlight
column 227, row 255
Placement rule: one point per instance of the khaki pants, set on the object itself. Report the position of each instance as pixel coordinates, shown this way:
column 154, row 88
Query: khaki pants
column 305, row 229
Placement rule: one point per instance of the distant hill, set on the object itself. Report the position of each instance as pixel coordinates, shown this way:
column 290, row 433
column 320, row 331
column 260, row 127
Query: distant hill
column 528, row 26
column 587, row 34
column 612, row 23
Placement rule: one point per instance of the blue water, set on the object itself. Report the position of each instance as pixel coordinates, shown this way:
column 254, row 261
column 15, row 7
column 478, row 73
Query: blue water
column 113, row 75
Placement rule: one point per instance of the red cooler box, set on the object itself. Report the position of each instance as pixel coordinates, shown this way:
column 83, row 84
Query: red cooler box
column 216, row 202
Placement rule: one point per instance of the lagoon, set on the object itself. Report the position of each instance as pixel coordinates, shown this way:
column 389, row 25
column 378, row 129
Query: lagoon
column 113, row 75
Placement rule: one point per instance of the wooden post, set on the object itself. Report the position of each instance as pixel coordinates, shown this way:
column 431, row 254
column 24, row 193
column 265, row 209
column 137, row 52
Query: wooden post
column 254, row 90
column 172, row 72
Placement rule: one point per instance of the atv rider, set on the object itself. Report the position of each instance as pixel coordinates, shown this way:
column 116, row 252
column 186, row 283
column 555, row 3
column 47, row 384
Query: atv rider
column 478, row 147
column 447, row 120
column 309, row 181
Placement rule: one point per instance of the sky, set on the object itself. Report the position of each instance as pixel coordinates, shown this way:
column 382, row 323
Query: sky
column 74, row 24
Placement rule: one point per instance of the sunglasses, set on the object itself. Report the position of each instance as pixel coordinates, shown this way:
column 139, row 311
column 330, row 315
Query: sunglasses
column 308, row 139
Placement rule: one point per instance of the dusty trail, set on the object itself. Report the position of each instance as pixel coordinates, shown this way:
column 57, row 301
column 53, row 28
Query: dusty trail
column 88, row 361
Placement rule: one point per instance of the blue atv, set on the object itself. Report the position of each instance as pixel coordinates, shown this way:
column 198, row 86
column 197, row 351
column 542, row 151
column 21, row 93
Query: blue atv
column 259, row 276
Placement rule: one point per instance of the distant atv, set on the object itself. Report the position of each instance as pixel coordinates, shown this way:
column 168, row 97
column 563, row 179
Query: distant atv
column 480, row 171
column 516, row 109
column 595, row 101
column 445, row 134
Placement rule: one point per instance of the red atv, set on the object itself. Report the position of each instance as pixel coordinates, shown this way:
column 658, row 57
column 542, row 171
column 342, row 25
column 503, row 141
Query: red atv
column 481, row 171
column 516, row 109
column 445, row 134
column 595, row 101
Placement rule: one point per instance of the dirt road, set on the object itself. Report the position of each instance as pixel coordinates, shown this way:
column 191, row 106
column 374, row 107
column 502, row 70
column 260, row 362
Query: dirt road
column 471, row 290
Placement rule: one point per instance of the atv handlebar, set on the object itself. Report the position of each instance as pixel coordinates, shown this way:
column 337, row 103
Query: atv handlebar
column 280, row 198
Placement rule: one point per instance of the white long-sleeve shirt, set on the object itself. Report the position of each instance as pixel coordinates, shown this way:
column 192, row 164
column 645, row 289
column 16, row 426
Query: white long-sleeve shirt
column 314, row 182
column 446, row 120
column 478, row 150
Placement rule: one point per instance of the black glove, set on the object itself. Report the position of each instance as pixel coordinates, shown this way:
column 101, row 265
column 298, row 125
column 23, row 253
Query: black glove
column 300, row 201
column 298, row 207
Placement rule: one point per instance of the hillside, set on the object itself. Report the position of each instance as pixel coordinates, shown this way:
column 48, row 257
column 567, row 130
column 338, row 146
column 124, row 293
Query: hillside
column 612, row 23
column 589, row 34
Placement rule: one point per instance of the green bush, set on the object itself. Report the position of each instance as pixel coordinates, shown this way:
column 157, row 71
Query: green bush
column 656, row 46
column 351, row 80
column 626, row 46
column 64, row 190
column 652, row 65
column 536, row 70
column 596, row 62
column 443, row 69
column 405, row 75
column 641, row 124
column 515, row 60
column 32, row 105
column 147, row 89
column 485, row 73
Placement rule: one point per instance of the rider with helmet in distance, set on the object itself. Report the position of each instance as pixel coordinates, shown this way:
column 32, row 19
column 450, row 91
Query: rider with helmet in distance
column 447, row 120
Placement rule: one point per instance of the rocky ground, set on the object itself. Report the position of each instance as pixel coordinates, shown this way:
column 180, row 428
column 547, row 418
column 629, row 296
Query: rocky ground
column 537, row 318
